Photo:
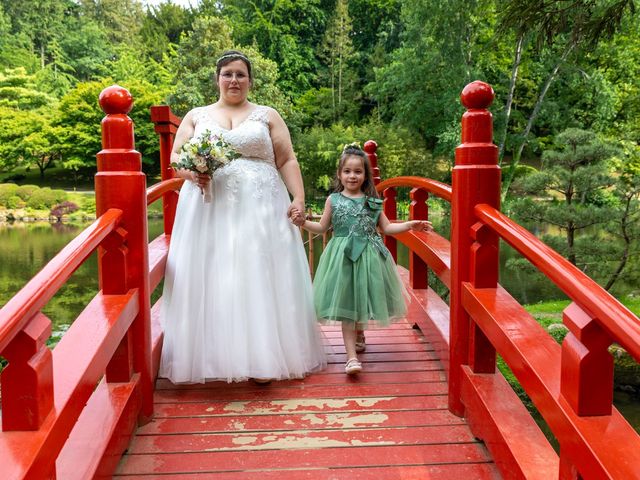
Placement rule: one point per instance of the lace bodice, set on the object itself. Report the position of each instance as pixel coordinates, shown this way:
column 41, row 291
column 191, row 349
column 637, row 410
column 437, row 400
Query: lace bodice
column 251, row 137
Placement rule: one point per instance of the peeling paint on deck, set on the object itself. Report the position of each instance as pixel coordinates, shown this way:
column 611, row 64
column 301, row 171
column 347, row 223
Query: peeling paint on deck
column 292, row 405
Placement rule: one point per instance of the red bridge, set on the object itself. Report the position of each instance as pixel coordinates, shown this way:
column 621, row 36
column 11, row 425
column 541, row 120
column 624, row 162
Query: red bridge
column 431, row 404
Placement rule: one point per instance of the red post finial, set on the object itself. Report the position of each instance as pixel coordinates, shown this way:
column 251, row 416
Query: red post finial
column 477, row 126
column 118, row 143
column 115, row 99
column 370, row 148
column 477, row 95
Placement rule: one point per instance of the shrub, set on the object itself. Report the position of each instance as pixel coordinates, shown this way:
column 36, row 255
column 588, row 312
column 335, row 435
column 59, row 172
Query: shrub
column 15, row 202
column 62, row 209
column 45, row 198
column 25, row 191
column 89, row 204
column 7, row 190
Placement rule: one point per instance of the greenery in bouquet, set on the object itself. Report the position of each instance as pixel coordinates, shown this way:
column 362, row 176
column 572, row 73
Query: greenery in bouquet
column 205, row 154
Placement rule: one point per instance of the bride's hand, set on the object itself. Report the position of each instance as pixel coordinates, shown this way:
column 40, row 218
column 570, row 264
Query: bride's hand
column 200, row 179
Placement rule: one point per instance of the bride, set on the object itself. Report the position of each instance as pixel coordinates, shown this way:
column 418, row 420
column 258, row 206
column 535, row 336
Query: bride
column 237, row 300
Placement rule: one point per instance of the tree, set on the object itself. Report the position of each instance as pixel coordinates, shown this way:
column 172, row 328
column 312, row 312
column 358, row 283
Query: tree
column 163, row 26
column 564, row 27
column 41, row 21
column 86, row 47
column 571, row 189
column 79, row 117
column 63, row 209
column 338, row 53
column 625, row 222
column 287, row 32
column 419, row 86
column 42, row 147
column 15, row 126
column 121, row 19
column 19, row 90
column 195, row 67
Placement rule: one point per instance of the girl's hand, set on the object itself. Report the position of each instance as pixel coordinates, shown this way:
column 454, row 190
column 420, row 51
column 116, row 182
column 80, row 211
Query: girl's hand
column 297, row 218
column 420, row 225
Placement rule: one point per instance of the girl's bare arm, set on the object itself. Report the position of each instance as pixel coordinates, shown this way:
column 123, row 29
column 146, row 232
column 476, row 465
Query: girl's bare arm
column 389, row 228
column 325, row 221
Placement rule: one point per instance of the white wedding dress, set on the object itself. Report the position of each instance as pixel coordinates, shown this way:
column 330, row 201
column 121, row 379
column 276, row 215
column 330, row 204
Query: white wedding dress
column 237, row 300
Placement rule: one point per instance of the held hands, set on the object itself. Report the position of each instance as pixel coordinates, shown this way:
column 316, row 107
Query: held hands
column 296, row 216
column 420, row 225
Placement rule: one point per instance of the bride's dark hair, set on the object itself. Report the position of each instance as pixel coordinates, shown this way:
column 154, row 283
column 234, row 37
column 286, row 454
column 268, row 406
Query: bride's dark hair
column 353, row 150
column 231, row 56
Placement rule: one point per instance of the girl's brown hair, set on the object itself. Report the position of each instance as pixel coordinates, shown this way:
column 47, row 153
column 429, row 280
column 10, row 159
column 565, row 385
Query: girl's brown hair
column 368, row 187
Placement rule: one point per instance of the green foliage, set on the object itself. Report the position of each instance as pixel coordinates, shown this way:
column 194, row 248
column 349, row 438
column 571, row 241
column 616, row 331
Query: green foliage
column 286, row 32
column 19, row 90
column 45, row 198
column 399, row 153
column 7, row 191
column 25, row 191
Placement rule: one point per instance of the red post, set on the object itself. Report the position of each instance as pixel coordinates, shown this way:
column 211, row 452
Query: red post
column 475, row 180
column 371, row 148
column 586, row 379
column 418, row 210
column 27, row 382
column 166, row 125
column 121, row 184
column 483, row 272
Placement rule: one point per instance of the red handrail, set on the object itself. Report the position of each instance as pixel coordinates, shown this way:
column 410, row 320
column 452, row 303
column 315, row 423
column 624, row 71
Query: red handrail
column 439, row 189
column 156, row 191
column 619, row 322
column 42, row 287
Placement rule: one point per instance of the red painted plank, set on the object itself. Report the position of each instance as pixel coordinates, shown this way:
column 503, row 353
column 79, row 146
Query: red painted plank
column 497, row 415
column 338, row 379
column 388, row 348
column 298, row 405
column 305, row 458
column 431, row 365
column 251, row 391
column 386, row 357
column 316, row 421
column 470, row 471
column 382, row 340
column 347, row 438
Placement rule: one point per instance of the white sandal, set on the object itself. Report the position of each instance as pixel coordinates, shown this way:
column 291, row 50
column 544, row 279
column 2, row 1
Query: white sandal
column 352, row 367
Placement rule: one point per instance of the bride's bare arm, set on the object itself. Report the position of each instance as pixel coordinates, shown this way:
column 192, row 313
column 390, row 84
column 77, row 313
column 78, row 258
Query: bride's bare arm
column 183, row 135
column 286, row 160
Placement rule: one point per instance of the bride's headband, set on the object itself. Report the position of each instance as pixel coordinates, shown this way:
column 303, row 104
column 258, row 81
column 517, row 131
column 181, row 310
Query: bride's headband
column 233, row 55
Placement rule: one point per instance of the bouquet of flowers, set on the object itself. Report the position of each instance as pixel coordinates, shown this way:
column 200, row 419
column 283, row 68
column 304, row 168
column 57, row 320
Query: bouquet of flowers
column 205, row 154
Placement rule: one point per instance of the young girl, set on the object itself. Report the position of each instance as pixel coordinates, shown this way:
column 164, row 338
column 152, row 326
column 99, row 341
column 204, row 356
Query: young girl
column 357, row 280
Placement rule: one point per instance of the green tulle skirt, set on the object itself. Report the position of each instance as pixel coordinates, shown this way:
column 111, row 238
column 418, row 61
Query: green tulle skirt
column 368, row 292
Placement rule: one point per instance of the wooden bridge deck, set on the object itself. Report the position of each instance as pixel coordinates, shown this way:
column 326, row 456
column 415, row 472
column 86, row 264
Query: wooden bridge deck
column 389, row 422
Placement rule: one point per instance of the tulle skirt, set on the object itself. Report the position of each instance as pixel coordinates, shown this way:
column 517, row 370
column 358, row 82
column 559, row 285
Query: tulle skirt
column 366, row 293
column 237, row 299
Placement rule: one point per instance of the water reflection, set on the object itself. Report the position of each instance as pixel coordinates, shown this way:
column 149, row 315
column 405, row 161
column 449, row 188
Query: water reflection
column 26, row 248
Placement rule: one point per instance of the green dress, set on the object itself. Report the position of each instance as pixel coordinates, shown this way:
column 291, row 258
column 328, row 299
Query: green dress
column 357, row 279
